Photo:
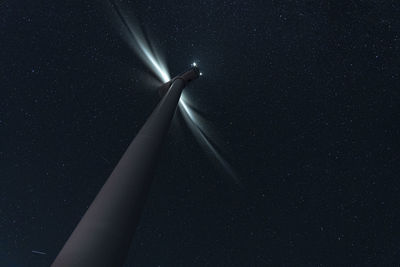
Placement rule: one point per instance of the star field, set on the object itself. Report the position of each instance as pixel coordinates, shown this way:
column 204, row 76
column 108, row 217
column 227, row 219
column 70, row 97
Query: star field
column 303, row 96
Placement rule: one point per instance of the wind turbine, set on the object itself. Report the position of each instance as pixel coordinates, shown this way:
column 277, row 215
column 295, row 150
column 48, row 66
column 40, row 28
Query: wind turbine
column 104, row 234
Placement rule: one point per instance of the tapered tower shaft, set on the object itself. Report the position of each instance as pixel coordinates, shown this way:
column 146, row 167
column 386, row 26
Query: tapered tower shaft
column 104, row 234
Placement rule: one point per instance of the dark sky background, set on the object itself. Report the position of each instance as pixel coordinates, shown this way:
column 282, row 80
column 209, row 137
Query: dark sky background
column 303, row 94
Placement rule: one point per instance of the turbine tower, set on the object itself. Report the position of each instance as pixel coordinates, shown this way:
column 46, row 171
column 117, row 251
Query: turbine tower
column 104, row 234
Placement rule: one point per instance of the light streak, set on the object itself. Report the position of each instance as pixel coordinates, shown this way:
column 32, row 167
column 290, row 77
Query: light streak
column 138, row 42
column 38, row 252
column 202, row 137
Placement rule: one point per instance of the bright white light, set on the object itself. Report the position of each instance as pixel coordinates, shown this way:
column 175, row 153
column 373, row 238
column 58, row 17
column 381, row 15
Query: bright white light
column 200, row 134
column 150, row 60
column 201, row 74
column 141, row 46
column 194, row 64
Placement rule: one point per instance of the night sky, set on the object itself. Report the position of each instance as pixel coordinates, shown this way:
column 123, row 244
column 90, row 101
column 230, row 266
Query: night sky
column 303, row 96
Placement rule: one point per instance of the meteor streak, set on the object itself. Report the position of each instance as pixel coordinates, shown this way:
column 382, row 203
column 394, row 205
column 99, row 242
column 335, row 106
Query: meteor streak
column 38, row 252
